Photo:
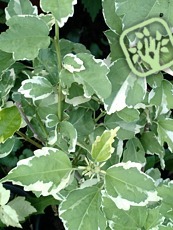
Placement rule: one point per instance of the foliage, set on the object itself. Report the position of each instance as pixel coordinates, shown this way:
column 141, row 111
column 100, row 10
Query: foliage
column 100, row 135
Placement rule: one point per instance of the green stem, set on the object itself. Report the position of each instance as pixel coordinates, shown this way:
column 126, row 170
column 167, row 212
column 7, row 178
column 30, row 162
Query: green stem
column 29, row 139
column 59, row 62
column 102, row 114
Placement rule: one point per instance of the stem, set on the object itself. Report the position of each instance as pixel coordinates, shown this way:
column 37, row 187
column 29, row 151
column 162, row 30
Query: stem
column 102, row 114
column 29, row 139
column 59, row 62
column 28, row 122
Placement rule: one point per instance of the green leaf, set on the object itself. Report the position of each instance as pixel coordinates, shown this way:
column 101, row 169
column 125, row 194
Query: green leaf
column 92, row 8
column 37, row 88
column 79, row 208
column 128, row 115
column 165, row 192
column 114, row 43
column 64, row 136
column 82, row 118
column 161, row 97
column 67, row 47
column 134, row 152
column 72, row 63
column 131, row 16
column 123, row 219
column 127, row 129
column 102, row 146
column 20, row 7
column 165, row 132
column 87, row 78
column 6, row 147
column 45, row 174
column 46, row 63
column 22, row 207
column 9, row 216
column 112, row 20
column 126, row 90
column 42, row 202
column 127, row 186
column 60, row 10
column 155, row 80
column 152, row 146
column 22, row 35
column 51, row 120
column 7, row 81
column 136, row 91
column 4, row 195
column 116, row 100
column 6, row 61
column 10, row 121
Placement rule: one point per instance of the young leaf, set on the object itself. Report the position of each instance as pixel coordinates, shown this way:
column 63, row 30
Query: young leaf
column 102, row 147
column 20, row 7
column 24, row 32
column 37, row 88
column 45, row 174
column 10, row 121
column 79, row 208
column 128, row 186
column 165, row 132
column 60, row 10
